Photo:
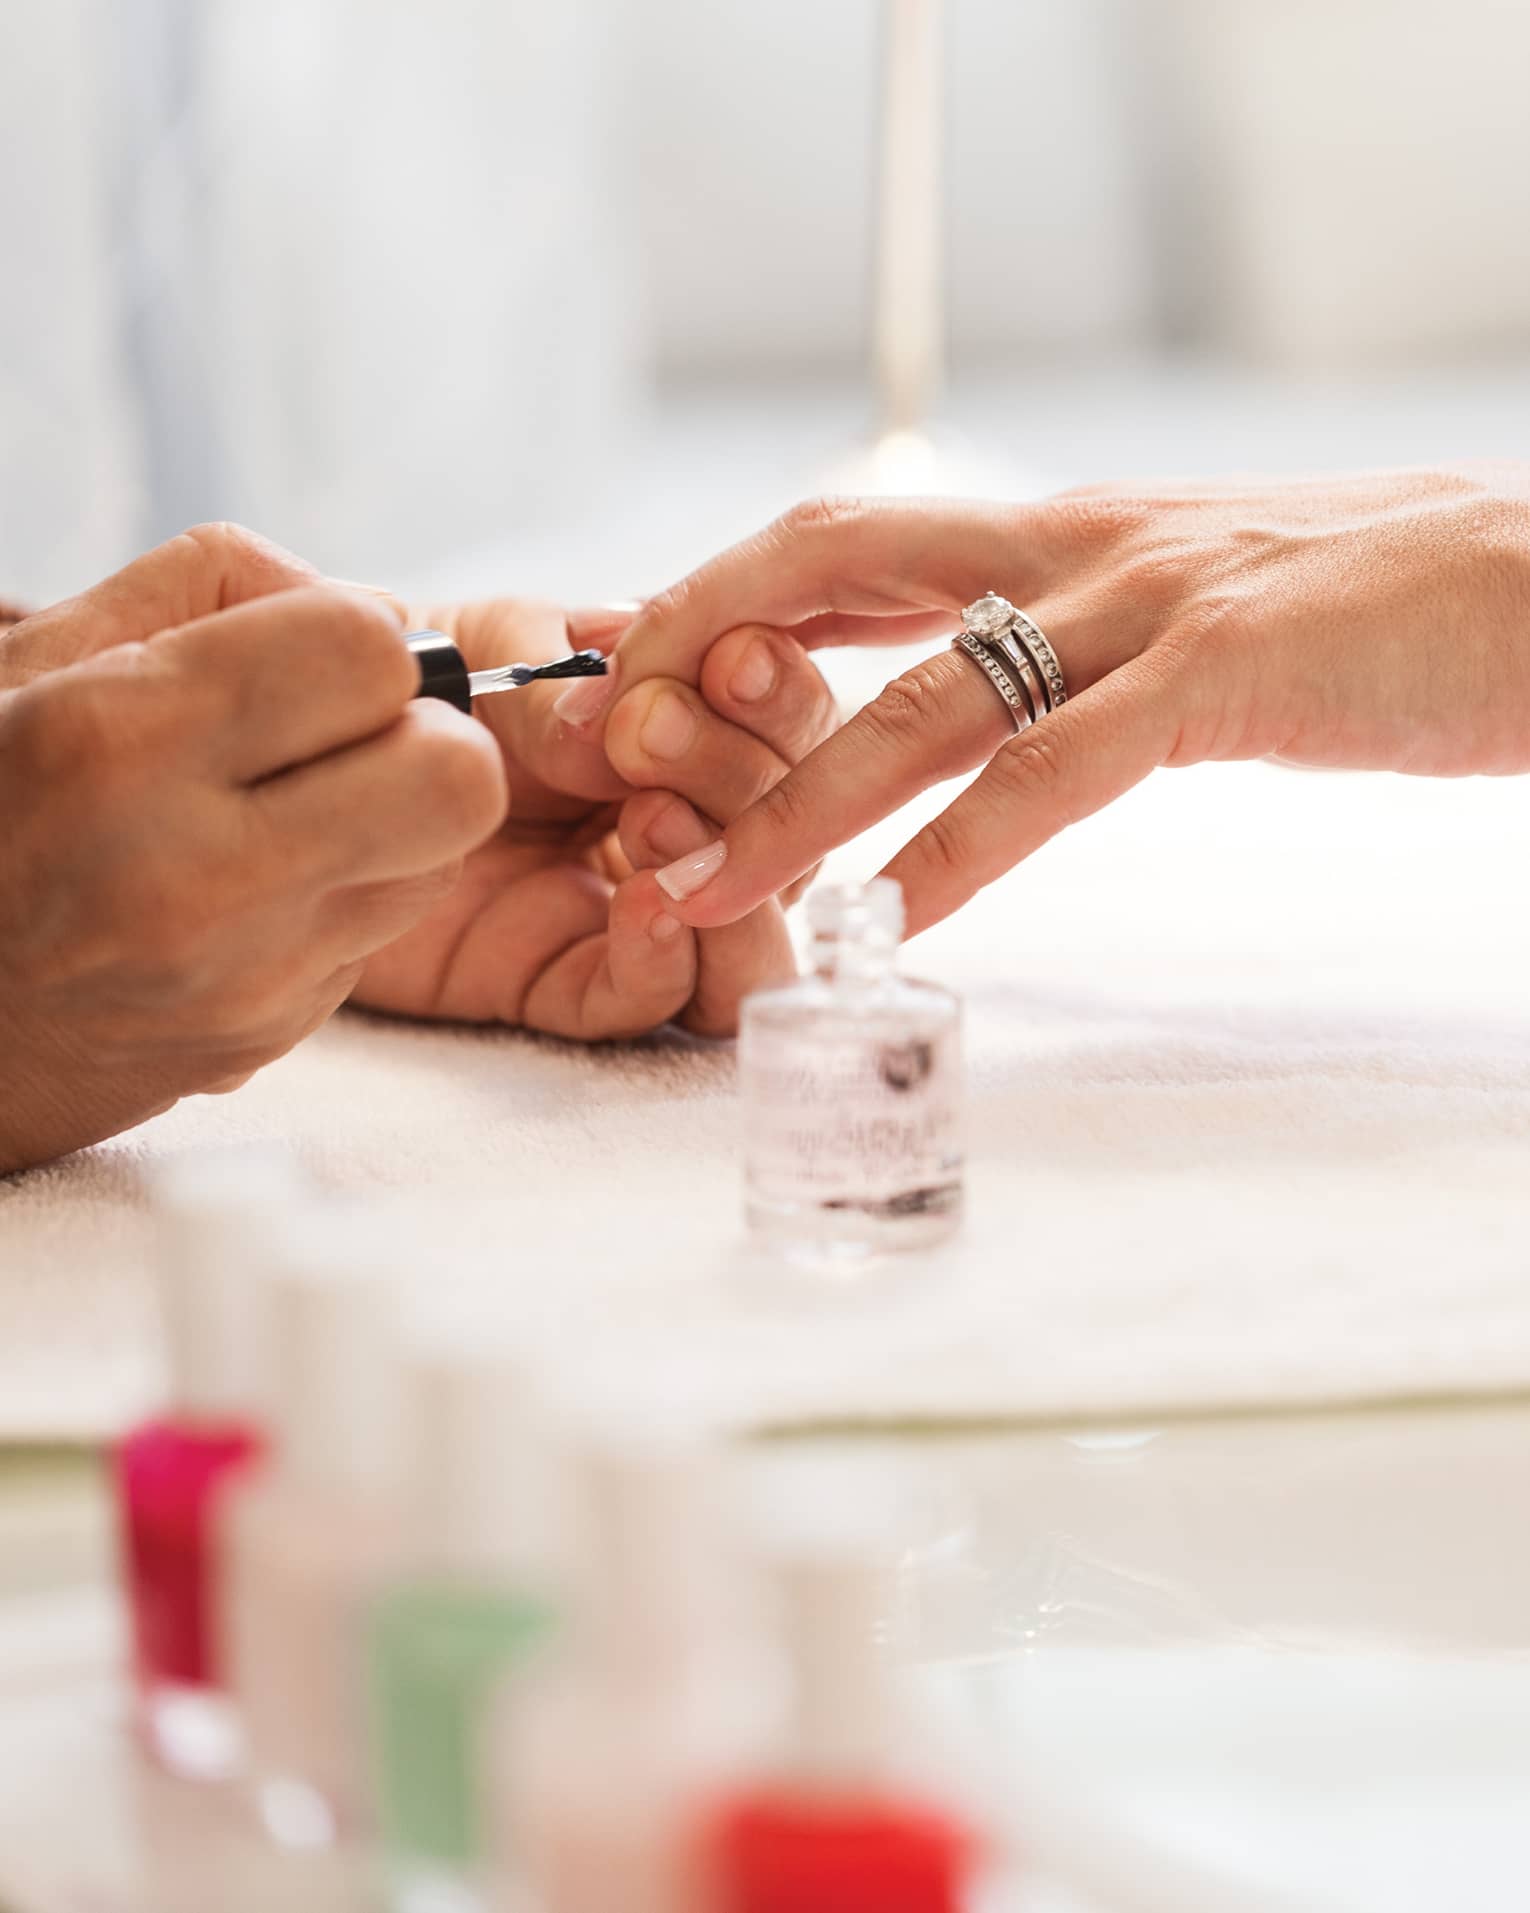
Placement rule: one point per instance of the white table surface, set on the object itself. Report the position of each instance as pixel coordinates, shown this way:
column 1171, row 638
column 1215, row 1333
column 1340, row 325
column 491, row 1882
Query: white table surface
column 1219, row 1664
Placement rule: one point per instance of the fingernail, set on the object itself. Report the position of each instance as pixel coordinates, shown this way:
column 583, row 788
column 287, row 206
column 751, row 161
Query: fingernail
column 686, row 875
column 677, row 831
column 584, row 700
column 669, row 730
column 754, row 676
column 587, row 624
column 665, row 928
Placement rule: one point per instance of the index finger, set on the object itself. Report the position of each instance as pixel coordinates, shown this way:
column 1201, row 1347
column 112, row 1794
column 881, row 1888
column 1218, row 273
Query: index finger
column 936, row 721
column 283, row 679
column 207, row 569
column 852, row 556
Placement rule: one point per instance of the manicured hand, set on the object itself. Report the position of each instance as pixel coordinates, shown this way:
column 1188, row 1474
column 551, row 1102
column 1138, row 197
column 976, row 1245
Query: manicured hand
column 1373, row 622
column 557, row 923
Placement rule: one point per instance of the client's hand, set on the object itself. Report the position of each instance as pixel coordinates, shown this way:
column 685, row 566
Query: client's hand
column 557, row 923
column 1377, row 622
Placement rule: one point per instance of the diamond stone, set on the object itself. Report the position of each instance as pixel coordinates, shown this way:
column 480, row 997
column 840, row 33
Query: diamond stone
column 989, row 617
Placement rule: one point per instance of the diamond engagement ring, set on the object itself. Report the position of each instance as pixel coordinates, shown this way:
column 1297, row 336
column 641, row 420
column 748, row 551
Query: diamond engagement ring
column 1011, row 651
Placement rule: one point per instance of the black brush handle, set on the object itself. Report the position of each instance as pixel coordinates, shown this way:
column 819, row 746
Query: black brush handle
column 443, row 669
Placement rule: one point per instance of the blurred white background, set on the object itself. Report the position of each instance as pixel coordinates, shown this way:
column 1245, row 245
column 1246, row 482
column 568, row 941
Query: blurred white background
column 557, row 295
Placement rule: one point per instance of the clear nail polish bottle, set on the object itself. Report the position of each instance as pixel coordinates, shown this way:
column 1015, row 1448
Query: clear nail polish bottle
column 311, row 1541
column 218, row 1215
column 474, row 1612
column 851, row 1080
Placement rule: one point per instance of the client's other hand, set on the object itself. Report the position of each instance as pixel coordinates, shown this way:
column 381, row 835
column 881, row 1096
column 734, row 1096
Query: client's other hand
column 557, row 923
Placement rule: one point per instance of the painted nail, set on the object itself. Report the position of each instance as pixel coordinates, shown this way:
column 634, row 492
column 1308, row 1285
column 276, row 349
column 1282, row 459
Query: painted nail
column 669, row 730
column 686, row 875
column 677, row 831
column 584, row 700
column 754, row 676
column 592, row 623
column 665, row 928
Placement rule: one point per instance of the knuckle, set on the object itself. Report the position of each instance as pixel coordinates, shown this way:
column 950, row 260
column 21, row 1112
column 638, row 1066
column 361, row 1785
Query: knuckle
column 944, row 845
column 902, row 709
column 813, row 517
column 665, row 606
column 784, row 811
column 223, row 538
column 1028, row 771
column 221, row 547
column 909, row 719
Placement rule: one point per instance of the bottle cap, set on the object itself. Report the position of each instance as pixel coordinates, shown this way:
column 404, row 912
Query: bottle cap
column 443, row 669
column 221, row 1216
column 858, row 912
column 335, row 1357
column 479, row 1467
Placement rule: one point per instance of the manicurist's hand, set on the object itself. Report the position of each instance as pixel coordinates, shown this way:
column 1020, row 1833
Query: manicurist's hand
column 219, row 800
column 1372, row 622
column 557, row 922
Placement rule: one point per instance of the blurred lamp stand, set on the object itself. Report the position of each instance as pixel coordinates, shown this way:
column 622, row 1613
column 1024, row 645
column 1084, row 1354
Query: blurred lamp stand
column 908, row 319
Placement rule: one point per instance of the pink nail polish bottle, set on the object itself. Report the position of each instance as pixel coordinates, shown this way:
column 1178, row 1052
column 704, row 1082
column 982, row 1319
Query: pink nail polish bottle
column 653, row 1703
column 218, row 1218
column 316, row 1535
column 838, row 1824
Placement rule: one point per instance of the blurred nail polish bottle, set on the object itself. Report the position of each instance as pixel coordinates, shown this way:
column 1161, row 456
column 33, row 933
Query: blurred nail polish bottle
column 851, row 1080
column 839, row 1825
column 313, row 1538
column 652, row 1704
column 217, row 1216
column 474, row 1610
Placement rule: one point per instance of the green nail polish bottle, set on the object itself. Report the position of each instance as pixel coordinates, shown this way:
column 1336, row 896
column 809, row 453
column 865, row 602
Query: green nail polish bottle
column 469, row 1621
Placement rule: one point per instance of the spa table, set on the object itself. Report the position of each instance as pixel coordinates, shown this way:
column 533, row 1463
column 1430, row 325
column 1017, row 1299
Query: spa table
column 1236, row 1663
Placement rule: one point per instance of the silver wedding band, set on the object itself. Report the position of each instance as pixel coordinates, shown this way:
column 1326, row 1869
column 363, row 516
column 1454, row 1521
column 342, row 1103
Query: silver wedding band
column 1014, row 655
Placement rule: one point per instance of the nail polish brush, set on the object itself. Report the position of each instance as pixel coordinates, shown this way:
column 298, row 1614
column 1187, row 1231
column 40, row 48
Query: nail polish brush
column 444, row 672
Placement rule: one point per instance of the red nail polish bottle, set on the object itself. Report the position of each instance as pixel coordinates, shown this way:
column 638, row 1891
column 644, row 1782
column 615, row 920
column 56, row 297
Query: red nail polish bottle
column 218, row 1219
column 837, row 1829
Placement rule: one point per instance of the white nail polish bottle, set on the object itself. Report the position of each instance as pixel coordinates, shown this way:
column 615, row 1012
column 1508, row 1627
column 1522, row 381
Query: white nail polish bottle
column 655, row 1702
column 307, row 1547
column 851, row 1080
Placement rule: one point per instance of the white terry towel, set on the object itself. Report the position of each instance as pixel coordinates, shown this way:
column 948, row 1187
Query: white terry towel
column 1250, row 1110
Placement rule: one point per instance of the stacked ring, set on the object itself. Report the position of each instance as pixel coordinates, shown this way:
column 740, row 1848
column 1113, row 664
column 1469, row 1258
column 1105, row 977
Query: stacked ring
column 1031, row 636
column 1014, row 654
